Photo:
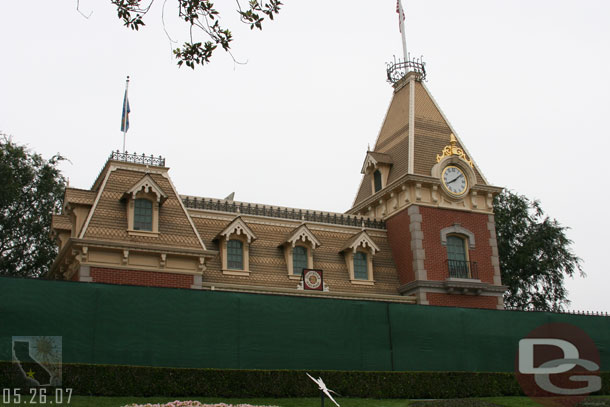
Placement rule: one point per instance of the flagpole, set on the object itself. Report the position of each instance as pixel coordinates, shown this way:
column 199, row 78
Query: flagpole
column 401, row 17
column 125, row 117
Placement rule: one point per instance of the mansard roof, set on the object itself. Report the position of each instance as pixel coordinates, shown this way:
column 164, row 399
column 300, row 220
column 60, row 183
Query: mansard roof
column 61, row 222
column 107, row 218
column 79, row 196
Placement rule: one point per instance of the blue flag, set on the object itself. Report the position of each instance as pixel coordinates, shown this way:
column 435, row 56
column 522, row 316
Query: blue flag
column 125, row 116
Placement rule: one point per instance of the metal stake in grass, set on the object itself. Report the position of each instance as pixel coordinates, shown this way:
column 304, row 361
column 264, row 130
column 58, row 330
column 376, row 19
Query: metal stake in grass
column 324, row 390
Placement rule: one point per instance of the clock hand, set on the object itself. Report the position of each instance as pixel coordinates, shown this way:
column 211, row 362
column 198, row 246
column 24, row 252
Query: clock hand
column 455, row 179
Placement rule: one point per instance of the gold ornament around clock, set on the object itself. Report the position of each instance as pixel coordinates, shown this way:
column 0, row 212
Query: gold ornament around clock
column 452, row 150
column 454, row 179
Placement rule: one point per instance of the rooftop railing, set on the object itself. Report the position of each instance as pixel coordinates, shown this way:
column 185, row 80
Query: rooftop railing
column 282, row 213
column 137, row 159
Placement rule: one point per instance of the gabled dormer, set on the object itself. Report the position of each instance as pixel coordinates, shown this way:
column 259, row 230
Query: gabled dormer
column 298, row 248
column 143, row 201
column 377, row 166
column 358, row 252
column 234, row 243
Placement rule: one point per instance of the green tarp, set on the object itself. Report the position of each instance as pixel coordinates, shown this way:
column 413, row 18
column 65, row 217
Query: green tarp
column 111, row 324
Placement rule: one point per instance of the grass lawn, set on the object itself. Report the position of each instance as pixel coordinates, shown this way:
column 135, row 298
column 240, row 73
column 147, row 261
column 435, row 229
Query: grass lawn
column 82, row 401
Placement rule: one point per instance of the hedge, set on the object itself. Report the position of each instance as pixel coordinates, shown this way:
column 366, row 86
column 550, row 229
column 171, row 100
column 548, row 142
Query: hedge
column 137, row 381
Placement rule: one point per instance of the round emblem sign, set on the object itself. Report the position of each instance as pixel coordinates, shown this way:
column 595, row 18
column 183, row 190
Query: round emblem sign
column 313, row 280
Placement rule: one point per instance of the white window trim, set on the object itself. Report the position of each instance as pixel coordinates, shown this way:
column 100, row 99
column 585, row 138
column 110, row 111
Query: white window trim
column 384, row 170
column 145, row 188
column 458, row 230
column 349, row 260
column 238, row 230
column 245, row 272
column 361, row 242
column 301, row 236
column 131, row 214
column 289, row 259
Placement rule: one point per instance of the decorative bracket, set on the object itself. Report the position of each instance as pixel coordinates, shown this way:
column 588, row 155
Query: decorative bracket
column 361, row 239
column 147, row 185
column 238, row 227
column 202, row 266
column 302, row 233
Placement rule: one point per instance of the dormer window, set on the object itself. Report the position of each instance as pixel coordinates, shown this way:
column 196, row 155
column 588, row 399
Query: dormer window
column 359, row 252
column 143, row 215
column 298, row 251
column 377, row 166
column 377, row 180
column 143, row 202
column 234, row 242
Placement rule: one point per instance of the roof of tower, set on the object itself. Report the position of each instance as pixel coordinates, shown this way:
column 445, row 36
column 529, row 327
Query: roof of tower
column 432, row 132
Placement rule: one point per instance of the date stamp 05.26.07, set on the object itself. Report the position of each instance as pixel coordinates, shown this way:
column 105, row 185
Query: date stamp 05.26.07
column 36, row 396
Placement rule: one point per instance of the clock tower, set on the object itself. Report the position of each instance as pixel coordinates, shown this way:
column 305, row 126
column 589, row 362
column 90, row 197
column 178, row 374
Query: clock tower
column 436, row 203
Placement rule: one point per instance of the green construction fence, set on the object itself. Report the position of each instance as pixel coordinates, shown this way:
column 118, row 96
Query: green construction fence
column 147, row 326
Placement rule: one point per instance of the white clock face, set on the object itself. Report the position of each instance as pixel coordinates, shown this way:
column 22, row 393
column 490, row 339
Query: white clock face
column 455, row 180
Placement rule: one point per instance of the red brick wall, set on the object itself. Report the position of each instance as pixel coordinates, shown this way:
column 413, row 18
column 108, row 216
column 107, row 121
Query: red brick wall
column 435, row 219
column 399, row 239
column 465, row 301
column 138, row 277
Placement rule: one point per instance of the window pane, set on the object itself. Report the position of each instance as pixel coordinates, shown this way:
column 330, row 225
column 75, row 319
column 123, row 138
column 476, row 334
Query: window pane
column 142, row 215
column 456, row 253
column 360, row 266
column 377, row 180
column 235, row 255
column 299, row 259
column 455, row 248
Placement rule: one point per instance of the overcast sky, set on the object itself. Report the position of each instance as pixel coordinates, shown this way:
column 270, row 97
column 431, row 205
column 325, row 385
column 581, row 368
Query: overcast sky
column 525, row 84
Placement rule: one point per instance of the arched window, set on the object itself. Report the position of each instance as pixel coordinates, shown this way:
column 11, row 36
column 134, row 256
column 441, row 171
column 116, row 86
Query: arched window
column 377, row 180
column 235, row 254
column 361, row 270
column 299, row 259
column 143, row 215
column 457, row 257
